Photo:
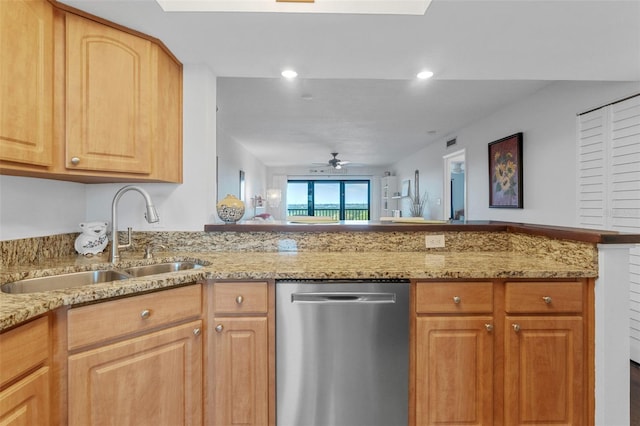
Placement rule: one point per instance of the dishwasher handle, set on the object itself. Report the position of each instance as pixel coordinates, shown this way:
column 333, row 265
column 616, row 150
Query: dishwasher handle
column 343, row 297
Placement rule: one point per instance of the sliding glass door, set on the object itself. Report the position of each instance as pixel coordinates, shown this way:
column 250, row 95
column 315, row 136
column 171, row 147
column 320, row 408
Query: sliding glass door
column 338, row 199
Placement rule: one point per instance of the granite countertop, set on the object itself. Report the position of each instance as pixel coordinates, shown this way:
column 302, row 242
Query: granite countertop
column 16, row 308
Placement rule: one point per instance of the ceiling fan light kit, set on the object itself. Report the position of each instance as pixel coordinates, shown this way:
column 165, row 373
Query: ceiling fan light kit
column 335, row 162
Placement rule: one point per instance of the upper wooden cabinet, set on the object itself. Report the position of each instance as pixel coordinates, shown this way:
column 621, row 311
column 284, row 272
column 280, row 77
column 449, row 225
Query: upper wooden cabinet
column 108, row 98
column 26, row 82
column 116, row 109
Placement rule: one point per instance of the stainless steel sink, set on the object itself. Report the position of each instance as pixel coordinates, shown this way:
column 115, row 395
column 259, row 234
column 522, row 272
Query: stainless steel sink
column 161, row 268
column 57, row 282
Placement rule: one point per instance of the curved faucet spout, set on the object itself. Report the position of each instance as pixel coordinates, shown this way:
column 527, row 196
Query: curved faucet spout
column 151, row 216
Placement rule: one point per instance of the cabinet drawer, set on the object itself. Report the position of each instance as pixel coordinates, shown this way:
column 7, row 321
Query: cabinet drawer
column 543, row 297
column 237, row 298
column 108, row 320
column 454, row 297
column 23, row 349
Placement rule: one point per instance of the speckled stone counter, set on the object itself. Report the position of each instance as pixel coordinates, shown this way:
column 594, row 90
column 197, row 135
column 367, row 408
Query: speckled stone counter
column 16, row 308
column 471, row 252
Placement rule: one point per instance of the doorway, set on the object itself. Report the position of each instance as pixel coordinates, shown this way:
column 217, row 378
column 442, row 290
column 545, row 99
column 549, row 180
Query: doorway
column 455, row 186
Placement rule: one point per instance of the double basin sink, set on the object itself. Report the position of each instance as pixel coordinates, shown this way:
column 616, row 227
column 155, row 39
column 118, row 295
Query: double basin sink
column 77, row 279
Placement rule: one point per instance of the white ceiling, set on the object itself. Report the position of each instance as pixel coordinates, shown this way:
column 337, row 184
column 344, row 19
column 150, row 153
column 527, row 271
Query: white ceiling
column 359, row 69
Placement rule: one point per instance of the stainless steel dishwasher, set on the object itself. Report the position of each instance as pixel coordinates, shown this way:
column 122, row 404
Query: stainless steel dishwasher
column 342, row 353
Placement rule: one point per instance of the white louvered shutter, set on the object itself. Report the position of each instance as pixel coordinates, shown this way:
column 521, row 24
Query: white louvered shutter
column 592, row 169
column 608, row 185
column 634, row 302
column 624, row 165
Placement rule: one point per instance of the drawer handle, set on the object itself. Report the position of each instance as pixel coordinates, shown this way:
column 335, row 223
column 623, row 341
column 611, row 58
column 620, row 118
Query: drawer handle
column 516, row 327
column 489, row 327
column 547, row 300
column 239, row 300
column 219, row 328
column 456, row 300
column 196, row 331
column 145, row 314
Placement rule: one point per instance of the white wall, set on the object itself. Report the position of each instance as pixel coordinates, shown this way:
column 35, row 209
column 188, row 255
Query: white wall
column 548, row 121
column 233, row 157
column 39, row 207
column 185, row 207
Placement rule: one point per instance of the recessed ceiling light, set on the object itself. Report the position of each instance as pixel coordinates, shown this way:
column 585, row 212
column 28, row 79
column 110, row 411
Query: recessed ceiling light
column 423, row 75
column 289, row 74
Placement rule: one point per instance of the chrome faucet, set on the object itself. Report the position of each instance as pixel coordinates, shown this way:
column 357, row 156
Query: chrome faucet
column 151, row 216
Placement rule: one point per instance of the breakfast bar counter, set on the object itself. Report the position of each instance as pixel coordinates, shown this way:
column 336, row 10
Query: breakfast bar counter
column 16, row 308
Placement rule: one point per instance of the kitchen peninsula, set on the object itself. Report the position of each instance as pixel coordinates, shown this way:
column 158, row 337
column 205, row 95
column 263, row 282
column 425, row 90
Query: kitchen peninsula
column 510, row 270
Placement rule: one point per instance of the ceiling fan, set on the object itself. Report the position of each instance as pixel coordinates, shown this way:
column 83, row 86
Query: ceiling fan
column 335, row 162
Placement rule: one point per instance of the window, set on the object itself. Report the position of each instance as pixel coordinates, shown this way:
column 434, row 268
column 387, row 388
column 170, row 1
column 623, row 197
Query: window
column 338, row 199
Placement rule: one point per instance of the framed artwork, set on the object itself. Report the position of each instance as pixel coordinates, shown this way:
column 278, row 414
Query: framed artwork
column 505, row 172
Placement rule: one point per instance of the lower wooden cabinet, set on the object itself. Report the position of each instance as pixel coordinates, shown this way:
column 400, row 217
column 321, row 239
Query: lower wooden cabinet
column 241, row 372
column 454, row 353
column 242, row 363
column 25, row 374
column 483, row 353
column 521, row 358
column 544, row 371
column 27, row 401
column 137, row 360
column 454, row 371
column 153, row 379
column 546, row 360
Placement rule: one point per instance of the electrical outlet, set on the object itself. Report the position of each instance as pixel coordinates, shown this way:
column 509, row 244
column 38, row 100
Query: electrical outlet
column 287, row 244
column 434, row 241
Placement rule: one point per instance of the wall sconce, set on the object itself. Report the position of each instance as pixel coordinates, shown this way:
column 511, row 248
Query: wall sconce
column 274, row 196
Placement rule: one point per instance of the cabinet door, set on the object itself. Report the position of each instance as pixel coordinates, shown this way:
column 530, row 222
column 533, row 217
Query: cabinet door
column 26, row 82
column 108, row 104
column 27, row 401
column 241, row 372
column 544, row 371
column 167, row 116
column 454, row 371
column 155, row 379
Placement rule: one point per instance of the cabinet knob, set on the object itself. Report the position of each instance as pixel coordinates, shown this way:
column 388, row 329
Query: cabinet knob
column 547, row 300
column 239, row 300
column 196, row 331
column 489, row 327
column 145, row 314
column 516, row 327
column 219, row 328
column 456, row 299
column 75, row 161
